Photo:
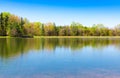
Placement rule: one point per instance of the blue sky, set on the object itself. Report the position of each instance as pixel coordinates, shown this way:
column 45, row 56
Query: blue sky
column 63, row 12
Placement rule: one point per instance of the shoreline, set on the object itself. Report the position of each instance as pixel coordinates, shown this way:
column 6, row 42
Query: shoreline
column 66, row 37
column 76, row 36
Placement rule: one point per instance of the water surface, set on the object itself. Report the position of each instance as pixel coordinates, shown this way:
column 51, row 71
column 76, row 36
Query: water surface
column 59, row 58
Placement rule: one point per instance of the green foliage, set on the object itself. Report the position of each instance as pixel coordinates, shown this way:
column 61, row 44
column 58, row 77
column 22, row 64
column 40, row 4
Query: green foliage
column 32, row 29
column 49, row 29
column 13, row 25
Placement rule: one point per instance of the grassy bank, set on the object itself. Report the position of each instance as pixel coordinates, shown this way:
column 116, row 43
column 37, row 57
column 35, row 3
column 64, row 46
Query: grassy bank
column 66, row 37
column 76, row 36
column 5, row 37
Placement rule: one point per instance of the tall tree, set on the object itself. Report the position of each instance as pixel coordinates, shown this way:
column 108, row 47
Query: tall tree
column 6, row 24
column 42, row 30
column 2, row 24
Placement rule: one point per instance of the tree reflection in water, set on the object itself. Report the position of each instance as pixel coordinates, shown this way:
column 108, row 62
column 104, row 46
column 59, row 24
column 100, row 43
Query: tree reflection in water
column 12, row 47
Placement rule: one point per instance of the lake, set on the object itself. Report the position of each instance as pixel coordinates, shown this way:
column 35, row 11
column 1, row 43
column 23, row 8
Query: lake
column 59, row 58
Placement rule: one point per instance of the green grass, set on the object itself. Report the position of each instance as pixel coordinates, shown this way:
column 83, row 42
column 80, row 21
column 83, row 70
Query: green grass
column 8, row 37
column 66, row 37
column 5, row 37
column 76, row 36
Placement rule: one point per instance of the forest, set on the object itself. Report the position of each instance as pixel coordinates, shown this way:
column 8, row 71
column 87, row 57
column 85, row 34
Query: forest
column 15, row 26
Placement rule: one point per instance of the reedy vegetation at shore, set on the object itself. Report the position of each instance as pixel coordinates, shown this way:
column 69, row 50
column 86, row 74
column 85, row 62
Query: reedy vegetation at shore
column 12, row 25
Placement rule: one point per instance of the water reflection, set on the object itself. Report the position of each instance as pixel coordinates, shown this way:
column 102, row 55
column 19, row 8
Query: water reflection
column 67, row 58
column 15, row 46
column 12, row 47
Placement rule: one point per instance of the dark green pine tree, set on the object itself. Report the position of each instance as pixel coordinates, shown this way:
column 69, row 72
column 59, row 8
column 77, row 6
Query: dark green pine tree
column 2, row 24
column 21, row 26
column 42, row 30
column 6, row 25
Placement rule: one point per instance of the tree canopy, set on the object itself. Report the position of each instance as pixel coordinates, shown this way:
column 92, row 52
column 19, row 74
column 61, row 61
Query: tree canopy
column 12, row 25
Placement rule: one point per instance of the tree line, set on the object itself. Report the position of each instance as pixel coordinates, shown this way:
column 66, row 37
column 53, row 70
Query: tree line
column 12, row 25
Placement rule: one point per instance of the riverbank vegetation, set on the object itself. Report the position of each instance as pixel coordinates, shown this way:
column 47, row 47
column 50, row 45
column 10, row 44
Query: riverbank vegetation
column 15, row 26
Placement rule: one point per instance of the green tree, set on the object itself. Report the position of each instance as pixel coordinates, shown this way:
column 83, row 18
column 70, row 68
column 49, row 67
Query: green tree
column 2, row 24
column 14, row 26
column 49, row 29
column 42, row 30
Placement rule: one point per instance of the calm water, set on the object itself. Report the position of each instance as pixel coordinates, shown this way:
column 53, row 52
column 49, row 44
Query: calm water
column 59, row 58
